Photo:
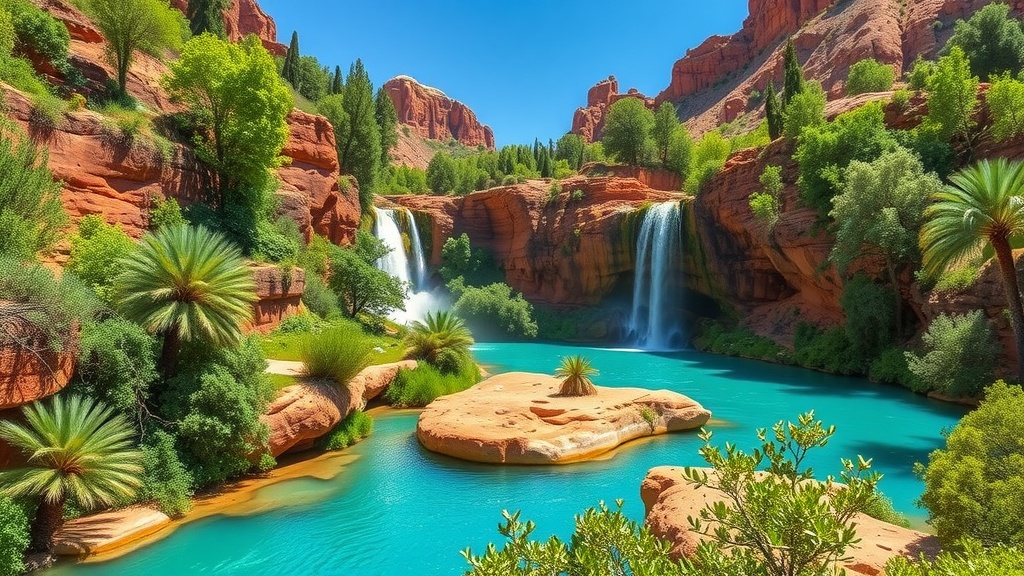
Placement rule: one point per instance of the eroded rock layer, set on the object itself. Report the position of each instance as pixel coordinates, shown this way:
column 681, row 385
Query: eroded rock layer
column 435, row 116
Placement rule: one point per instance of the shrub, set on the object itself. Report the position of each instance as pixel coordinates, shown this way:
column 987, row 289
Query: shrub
column 7, row 34
column 319, row 298
column 806, row 109
column 957, row 280
column 765, row 203
column 419, row 387
column 442, row 339
column 495, row 312
column 880, row 508
column 891, row 368
column 869, row 75
column 972, row 559
column 741, row 342
column 14, row 538
column 920, row 74
column 31, row 214
column 960, row 355
column 1005, row 98
column 828, row 350
column 39, row 33
column 338, row 352
column 165, row 481
column 117, row 365
column 973, row 486
column 300, row 323
column 165, row 212
column 39, row 312
column 870, row 311
column 709, row 155
column 575, row 372
column 98, row 253
column 356, row 426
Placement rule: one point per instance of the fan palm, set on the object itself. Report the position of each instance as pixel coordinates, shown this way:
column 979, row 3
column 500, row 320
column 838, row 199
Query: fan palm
column 186, row 283
column 76, row 447
column 983, row 207
column 442, row 339
column 576, row 371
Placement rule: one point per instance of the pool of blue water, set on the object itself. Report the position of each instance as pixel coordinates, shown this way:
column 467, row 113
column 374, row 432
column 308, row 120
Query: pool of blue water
column 401, row 510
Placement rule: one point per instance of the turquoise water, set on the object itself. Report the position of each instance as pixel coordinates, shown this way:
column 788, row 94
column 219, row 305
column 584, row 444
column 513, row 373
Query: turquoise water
column 401, row 510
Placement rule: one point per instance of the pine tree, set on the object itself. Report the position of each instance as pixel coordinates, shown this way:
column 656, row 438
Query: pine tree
column 773, row 111
column 794, row 81
column 337, row 82
column 359, row 148
column 207, row 16
column 387, row 122
column 290, row 72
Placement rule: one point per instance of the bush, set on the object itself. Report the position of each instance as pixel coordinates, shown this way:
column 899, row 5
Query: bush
column 920, row 74
column 98, row 253
column 709, row 155
column 880, row 508
column 973, row 486
column 14, row 538
column 805, row 109
column 960, row 356
column 1005, row 98
column 869, row 75
column 741, row 342
column 765, row 203
column 37, row 32
column 165, row 212
column 891, row 368
column 320, row 299
column 870, row 310
column 45, row 308
column 828, row 350
column 356, row 426
column 165, row 481
column 117, row 365
column 31, row 214
column 957, row 280
column 303, row 322
column 338, row 352
column 972, row 559
column 419, row 387
column 495, row 312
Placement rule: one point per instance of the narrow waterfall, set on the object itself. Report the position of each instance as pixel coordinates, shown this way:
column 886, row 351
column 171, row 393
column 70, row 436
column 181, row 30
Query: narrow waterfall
column 406, row 261
column 655, row 322
column 396, row 262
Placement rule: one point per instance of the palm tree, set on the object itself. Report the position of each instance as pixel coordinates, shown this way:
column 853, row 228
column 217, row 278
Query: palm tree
column 576, row 371
column 186, row 283
column 983, row 207
column 442, row 339
column 76, row 447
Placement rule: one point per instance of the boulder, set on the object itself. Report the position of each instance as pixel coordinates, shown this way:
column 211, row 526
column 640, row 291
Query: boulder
column 434, row 116
column 669, row 500
column 107, row 531
column 519, row 418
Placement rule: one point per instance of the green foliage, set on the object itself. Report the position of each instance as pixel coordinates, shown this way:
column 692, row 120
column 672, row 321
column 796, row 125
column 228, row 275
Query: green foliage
column 216, row 401
column 805, row 109
column 972, row 559
column 960, row 356
column 314, row 80
column 901, row 99
column 952, row 98
column 869, row 75
column 234, row 92
column 493, row 311
column 756, row 138
column 319, row 298
column 765, row 204
column 783, row 521
column 303, row 322
column 891, row 367
column 151, row 26
column 117, row 366
column 290, row 68
column 38, row 312
column 957, row 280
column 359, row 139
column 165, row 213
column 935, row 153
column 680, row 152
column 359, row 286
column 793, row 82
column 39, row 33
column 570, row 148
column 166, row 481
column 1005, row 98
column 441, row 339
column 741, row 342
column 419, row 387
column 605, row 542
column 355, row 427
column 920, row 74
column 880, row 507
column 576, row 372
column 98, row 253
column 709, row 155
column 7, row 34
column 441, row 174
column 774, row 112
column 627, row 131
column 594, row 153
column 403, row 179
column 992, row 40
column 207, row 16
column 387, row 123
column 871, row 325
column 31, row 214
column 13, row 537
column 337, row 353
column 973, row 485
column 460, row 259
column 826, row 150
column 665, row 123
column 824, row 350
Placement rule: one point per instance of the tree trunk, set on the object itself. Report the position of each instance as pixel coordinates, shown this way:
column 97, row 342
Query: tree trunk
column 49, row 518
column 169, row 353
column 1012, row 289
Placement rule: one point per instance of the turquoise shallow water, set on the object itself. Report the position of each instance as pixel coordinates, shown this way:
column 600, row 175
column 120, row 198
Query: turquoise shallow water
column 401, row 510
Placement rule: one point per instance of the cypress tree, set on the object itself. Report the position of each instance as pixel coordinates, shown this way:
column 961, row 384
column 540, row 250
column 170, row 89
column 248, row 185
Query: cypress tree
column 794, row 81
column 207, row 16
column 337, row 84
column 290, row 72
column 387, row 122
column 359, row 149
column 773, row 111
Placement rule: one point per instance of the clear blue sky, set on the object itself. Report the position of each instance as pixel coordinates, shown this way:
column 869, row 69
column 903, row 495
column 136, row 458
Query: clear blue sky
column 523, row 66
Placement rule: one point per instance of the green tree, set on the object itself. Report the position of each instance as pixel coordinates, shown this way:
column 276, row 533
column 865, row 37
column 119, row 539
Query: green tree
column 387, row 123
column 992, row 40
column 627, row 131
column 569, row 148
column 151, row 26
column 207, row 16
column 494, row 312
column 680, row 152
column 805, row 109
column 14, row 538
column 359, row 144
column 665, row 122
column 337, row 81
column 774, row 112
column 953, row 98
column 359, row 285
column 973, row 485
column 441, row 339
column 869, row 75
column 186, row 284
column 982, row 207
column 765, row 203
column 960, row 354
column 31, row 214
column 576, row 372
column 1005, row 98
column 442, row 177
column 793, row 82
column 117, row 366
column 290, row 70
column 76, row 448
column 98, row 251
column 236, row 93
column 314, row 81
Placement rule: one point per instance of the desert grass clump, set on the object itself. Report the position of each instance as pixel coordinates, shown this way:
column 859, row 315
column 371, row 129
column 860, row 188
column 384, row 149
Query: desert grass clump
column 419, row 387
column 442, row 340
column 576, row 372
column 355, row 427
column 338, row 353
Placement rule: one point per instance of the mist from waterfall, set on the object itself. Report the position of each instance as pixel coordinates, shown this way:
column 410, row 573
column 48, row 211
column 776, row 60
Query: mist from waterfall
column 655, row 322
column 408, row 266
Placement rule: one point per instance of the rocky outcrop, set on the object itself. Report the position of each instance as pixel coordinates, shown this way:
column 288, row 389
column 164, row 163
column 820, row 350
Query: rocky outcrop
column 26, row 376
column 519, row 418
column 670, row 500
column 279, row 292
column 435, row 116
column 588, row 121
column 245, row 17
column 108, row 531
column 568, row 249
column 304, row 412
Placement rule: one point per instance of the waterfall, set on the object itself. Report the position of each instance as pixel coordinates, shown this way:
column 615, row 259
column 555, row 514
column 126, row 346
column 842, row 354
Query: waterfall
column 409, row 267
column 654, row 322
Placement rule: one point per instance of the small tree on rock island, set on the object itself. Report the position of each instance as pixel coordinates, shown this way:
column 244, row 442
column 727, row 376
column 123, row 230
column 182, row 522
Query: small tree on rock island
column 576, row 372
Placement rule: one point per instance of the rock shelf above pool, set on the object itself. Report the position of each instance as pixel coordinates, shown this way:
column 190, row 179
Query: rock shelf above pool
column 519, row 418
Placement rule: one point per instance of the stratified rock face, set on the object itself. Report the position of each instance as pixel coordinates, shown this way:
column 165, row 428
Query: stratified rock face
column 558, row 251
column 435, row 116
column 26, row 377
column 280, row 295
column 588, row 122
column 245, row 17
column 519, row 418
column 670, row 500
column 305, row 412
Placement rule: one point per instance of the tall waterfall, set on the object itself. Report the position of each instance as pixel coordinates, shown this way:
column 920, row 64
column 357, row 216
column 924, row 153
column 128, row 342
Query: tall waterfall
column 408, row 266
column 655, row 322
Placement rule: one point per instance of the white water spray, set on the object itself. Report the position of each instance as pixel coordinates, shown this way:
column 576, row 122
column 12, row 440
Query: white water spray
column 655, row 322
column 408, row 266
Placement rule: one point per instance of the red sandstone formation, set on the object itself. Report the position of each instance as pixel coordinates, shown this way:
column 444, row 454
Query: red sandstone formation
column 26, row 377
column 588, row 122
column 280, row 295
column 244, row 17
column 435, row 116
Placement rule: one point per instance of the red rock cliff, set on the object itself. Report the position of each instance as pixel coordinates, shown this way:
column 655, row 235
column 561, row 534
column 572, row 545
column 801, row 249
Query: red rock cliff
column 435, row 116
column 244, row 17
column 588, row 122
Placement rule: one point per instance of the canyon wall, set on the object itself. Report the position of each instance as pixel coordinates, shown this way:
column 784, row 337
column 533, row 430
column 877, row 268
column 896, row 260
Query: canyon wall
column 244, row 17
column 588, row 121
column 434, row 116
